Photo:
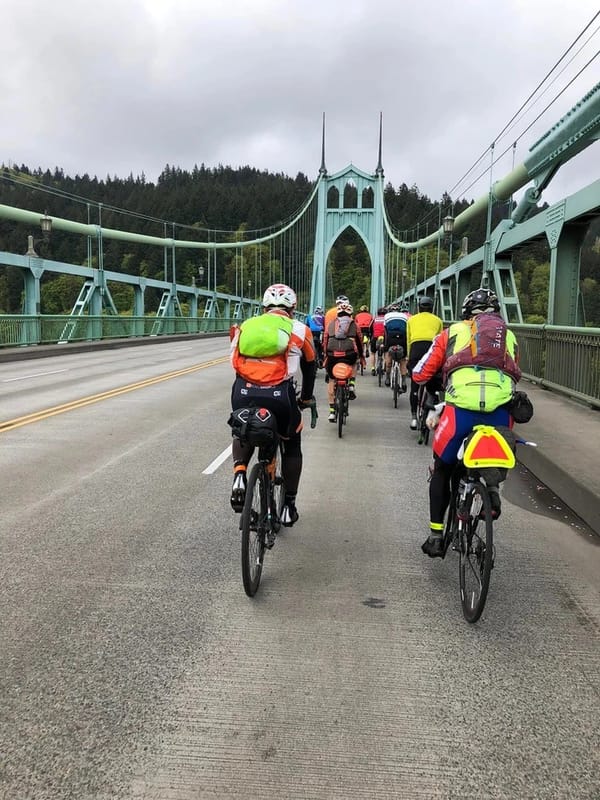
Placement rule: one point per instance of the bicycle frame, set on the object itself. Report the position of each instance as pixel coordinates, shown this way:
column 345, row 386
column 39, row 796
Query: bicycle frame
column 342, row 373
column 484, row 459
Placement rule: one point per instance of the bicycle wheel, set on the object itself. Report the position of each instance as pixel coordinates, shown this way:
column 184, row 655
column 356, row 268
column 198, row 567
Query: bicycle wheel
column 379, row 371
column 339, row 404
column 422, row 428
column 278, row 490
column 396, row 383
column 252, row 524
column 476, row 553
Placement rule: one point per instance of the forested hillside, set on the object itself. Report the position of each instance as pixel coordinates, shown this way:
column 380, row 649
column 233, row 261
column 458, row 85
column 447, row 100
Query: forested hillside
column 225, row 199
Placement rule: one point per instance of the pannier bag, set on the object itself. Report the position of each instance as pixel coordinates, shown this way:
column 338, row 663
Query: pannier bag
column 520, row 407
column 254, row 426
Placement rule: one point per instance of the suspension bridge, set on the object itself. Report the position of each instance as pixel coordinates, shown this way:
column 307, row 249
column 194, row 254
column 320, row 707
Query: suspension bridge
column 132, row 664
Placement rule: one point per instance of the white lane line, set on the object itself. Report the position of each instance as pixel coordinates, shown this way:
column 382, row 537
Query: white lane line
column 214, row 465
column 33, row 375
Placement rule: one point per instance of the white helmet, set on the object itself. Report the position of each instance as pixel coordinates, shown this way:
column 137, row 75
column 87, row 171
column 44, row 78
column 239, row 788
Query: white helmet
column 280, row 296
column 344, row 308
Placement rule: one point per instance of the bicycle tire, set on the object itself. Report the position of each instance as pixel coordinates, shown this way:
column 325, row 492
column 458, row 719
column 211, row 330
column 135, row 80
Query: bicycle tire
column 339, row 402
column 476, row 553
column 379, row 370
column 396, row 383
column 252, row 524
column 278, row 490
column 422, row 428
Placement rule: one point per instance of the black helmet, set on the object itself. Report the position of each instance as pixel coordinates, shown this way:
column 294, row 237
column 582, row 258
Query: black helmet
column 425, row 303
column 478, row 301
column 404, row 307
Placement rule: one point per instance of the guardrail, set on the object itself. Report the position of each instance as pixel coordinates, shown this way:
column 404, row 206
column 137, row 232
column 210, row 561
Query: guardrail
column 22, row 330
column 566, row 360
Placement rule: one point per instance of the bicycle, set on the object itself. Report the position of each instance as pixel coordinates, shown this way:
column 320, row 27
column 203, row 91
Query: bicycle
column 426, row 402
column 318, row 349
column 365, row 353
column 396, row 353
column 342, row 373
column 265, row 493
column 380, row 363
column 485, row 457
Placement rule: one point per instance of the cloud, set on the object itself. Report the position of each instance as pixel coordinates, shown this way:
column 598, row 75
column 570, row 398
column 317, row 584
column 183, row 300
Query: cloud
column 127, row 87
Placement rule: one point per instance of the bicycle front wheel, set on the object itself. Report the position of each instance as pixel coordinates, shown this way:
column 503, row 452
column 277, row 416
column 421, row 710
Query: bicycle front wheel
column 476, row 551
column 254, row 518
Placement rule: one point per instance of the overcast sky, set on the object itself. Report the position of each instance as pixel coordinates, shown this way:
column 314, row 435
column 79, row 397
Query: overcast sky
column 128, row 86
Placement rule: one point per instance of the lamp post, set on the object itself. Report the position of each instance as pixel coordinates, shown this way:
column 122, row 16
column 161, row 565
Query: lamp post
column 404, row 274
column 46, row 226
column 448, row 229
column 201, row 275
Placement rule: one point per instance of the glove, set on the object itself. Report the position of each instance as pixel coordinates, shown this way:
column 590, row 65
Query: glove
column 306, row 403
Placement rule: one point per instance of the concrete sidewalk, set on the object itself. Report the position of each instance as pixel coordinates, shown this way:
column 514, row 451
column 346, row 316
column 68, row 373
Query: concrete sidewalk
column 566, row 458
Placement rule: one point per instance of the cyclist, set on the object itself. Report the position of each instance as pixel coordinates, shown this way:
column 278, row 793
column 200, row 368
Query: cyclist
column 364, row 320
column 331, row 313
column 342, row 341
column 266, row 352
column 475, row 394
column 378, row 330
column 315, row 322
column 421, row 330
column 394, row 323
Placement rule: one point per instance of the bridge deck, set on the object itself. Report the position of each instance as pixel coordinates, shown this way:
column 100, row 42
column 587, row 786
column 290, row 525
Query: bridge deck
column 133, row 665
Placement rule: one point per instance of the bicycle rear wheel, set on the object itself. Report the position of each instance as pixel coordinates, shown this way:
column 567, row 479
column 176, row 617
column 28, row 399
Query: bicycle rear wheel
column 476, row 553
column 339, row 404
column 396, row 383
column 422, row 428
column 252, row 524
column 379, row 371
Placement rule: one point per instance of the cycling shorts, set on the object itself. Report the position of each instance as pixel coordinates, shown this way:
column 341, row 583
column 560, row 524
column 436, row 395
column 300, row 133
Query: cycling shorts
column 417, row 351
column 399, row 339
column 279, row 399
column 349, row 358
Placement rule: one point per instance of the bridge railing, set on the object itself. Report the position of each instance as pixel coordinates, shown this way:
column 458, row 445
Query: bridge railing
column 19, row 330
column 564, row 359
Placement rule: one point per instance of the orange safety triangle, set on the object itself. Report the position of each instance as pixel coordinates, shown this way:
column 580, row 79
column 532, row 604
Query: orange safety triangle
column 488, row 448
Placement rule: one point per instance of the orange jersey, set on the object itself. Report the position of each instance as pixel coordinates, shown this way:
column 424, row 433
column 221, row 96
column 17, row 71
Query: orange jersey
column 329, row 317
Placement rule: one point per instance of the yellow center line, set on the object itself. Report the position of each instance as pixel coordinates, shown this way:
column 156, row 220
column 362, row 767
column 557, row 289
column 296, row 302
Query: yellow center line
column 10, row 424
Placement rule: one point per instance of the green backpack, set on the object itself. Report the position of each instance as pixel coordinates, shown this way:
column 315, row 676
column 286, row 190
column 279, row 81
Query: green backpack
column 265, row 336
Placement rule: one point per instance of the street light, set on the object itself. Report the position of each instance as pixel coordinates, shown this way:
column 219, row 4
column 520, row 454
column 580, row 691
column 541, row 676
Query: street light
column 46, row 226
column 448, row 230
column 201, row 275
column 448, row 225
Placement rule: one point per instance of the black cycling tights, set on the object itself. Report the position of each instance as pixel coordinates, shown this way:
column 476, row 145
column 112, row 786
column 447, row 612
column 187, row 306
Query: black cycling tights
column 292, row 460
column 439, row 490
